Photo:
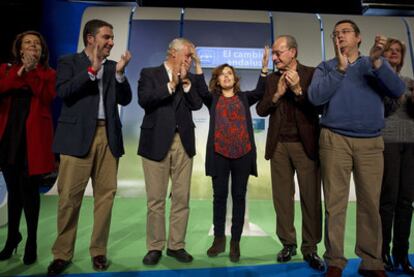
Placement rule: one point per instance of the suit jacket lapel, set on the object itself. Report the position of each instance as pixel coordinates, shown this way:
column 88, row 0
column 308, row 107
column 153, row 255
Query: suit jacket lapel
column 162, row 74
column 108, row 70
column 106, row 77
column 178, row 94
column 301, row 72
column 85, row 62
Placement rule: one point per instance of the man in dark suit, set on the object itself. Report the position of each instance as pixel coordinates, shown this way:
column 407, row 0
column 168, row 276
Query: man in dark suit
column 291, row 146
column 167, row 145
column 89, row 140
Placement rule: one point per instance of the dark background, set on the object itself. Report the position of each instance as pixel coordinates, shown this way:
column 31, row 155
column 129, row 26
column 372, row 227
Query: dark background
column 17, row 16
column 20, row 15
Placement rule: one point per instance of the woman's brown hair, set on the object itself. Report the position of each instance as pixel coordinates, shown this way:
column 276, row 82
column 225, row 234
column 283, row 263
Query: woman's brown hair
column 17, row 46
column 214, row 85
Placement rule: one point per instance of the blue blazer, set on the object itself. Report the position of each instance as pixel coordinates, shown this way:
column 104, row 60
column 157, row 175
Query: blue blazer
column 248, row 98
column 77, row 122
column 165, row 114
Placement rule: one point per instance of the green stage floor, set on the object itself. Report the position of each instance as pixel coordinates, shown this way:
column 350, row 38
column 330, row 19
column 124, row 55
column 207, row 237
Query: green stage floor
column 127, row 238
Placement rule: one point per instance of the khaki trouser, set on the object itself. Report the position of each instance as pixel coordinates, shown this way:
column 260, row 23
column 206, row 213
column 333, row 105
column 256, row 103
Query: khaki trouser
column 178, row 165
column 288, row 158
column 341, row 155
column 101, row 166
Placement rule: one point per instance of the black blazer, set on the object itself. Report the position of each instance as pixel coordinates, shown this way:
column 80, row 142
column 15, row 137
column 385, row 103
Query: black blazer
column 165, row 114
column 77, row 122
column 248, row 98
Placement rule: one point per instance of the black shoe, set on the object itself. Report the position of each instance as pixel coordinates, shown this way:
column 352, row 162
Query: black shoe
column 152, row 257
column 30, row 253
column 57, row 267
column 314, row 261
column 100, row 263
column 405, row 264
column 181, row 255
column 388, row 265
column 286, row 253
column 10, row 247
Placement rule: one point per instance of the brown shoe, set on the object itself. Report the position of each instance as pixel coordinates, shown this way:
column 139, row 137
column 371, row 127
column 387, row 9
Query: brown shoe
column 100, row 263
column 333, row 271
column 234, row 251
column 372, row 273
column 218, row 246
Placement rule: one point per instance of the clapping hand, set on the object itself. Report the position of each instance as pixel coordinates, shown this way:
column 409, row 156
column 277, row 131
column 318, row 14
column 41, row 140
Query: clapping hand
column 341, row 57
column 293, row 81
column 377, row 50
column 123, row 62
column 96, row 59
column 29, row 61
column 281, row 88
column 183, row 75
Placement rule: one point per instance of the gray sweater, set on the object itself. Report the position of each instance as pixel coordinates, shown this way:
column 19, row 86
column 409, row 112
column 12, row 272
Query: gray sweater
column 399, row 121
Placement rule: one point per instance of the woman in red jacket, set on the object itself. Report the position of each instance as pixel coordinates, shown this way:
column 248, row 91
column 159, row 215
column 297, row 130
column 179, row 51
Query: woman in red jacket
column 27, row 88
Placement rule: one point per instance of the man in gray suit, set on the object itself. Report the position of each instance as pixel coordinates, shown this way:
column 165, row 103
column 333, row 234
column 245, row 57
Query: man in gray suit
column 89, row 140
column 167, row 144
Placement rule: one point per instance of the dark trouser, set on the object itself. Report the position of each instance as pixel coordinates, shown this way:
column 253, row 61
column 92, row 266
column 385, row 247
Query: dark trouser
column 23, row 194
column 290, row 157
column 240, row 171
column 397, row 196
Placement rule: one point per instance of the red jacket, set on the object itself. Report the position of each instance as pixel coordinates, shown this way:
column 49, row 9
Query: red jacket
column 39, row 125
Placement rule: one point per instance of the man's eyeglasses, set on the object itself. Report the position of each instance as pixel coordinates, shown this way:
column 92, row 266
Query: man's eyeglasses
column 279, row 53
column 343, row 32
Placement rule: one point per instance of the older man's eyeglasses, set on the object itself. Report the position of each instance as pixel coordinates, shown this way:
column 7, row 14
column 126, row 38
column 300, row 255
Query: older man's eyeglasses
column 343, row 32
column 280, row 53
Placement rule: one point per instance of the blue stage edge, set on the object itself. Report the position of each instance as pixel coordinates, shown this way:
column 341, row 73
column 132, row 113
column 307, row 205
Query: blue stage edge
column 282, row 270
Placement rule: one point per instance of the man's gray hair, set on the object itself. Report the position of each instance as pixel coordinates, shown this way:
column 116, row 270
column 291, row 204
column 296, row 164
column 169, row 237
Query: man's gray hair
column 290, row 42
column 178, row 44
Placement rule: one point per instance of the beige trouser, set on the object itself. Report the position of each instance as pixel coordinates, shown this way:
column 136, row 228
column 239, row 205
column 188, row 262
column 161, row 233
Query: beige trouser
column 341, row 155
column 74, row 174
column 179, row 166
column 288, row 158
